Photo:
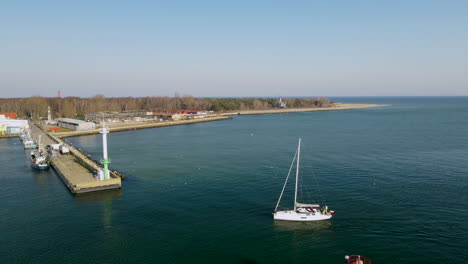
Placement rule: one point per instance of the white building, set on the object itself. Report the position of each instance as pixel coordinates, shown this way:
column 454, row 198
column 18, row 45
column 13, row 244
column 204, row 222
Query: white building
column 75, row 124
column 49, row 120
column 10, row 123
column 280, row 103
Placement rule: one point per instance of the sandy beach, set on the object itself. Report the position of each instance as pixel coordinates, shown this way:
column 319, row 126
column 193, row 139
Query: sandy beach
column 336, row 106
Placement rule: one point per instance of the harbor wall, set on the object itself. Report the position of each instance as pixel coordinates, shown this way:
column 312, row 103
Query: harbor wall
column 140, row 126
column 86, row 162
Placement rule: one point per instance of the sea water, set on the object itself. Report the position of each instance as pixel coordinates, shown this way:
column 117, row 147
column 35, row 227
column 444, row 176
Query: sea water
column 396, row 177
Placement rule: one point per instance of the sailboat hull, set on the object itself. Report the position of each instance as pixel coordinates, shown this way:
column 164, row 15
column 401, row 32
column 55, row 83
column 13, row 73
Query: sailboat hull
column 301, row 217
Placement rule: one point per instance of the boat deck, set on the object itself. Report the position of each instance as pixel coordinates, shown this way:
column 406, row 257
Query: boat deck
column 292, row 215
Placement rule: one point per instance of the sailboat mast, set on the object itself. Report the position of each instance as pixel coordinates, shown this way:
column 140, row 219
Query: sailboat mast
column 297, row 172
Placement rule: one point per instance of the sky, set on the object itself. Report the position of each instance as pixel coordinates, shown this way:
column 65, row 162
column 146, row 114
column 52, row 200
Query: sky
column 233, row 48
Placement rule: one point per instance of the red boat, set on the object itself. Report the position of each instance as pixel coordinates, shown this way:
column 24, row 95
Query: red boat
column 357, row 259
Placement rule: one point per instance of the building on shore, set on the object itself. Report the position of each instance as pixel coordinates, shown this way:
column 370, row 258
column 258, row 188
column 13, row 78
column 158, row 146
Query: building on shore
column 189, row 114
column 75, row 124
column 280, row 103
column 108, row 117
column 143, row 116
column 10, row 125
column 9, row 115
column 167, row 116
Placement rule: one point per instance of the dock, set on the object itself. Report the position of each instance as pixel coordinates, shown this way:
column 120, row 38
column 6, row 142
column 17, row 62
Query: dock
column 75, row 169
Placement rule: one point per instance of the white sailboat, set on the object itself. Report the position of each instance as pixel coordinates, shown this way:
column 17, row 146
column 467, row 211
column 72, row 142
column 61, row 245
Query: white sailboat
column 301, row 211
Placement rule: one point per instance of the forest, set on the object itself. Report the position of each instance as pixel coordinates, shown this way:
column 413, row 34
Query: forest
column 76, row 107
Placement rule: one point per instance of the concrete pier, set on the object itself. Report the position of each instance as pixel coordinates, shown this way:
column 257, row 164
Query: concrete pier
column 75, row 169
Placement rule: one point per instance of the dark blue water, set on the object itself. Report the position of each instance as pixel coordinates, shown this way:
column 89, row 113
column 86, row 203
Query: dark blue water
column 397, row 177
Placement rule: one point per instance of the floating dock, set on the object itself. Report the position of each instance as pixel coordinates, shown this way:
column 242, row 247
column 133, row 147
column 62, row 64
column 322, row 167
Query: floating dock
column 75, row 169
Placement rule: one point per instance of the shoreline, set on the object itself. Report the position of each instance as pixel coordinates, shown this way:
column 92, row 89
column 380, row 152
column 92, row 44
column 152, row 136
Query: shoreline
column 223, row 116
column 336, row 106
column 90, row 164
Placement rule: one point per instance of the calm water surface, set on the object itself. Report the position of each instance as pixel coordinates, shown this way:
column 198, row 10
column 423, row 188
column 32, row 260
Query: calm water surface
column 396, row 176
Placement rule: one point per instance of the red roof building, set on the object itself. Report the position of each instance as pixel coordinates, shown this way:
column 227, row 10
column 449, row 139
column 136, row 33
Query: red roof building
column 10, row 115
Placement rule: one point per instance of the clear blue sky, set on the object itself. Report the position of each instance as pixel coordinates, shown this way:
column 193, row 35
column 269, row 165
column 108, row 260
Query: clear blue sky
column 233, row 48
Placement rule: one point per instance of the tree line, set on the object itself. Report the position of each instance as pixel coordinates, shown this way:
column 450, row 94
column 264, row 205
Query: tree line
column 76, row 107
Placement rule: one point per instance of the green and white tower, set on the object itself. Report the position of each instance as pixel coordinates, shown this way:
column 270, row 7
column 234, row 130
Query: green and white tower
column 105, row 161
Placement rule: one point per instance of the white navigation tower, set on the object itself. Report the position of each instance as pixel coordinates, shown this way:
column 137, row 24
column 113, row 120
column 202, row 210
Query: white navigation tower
column 49, row 116
column 106, row 160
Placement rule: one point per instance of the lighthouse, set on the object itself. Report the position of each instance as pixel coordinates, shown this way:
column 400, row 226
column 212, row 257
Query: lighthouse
column 49, row 116
column 105, row 161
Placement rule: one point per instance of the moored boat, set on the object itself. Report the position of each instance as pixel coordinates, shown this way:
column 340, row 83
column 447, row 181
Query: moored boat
column 22, row 136
column 25, row 135
column 29, row 143
column 40, row 158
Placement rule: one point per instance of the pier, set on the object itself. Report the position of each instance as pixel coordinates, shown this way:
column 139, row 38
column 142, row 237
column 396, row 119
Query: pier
column 75, row 169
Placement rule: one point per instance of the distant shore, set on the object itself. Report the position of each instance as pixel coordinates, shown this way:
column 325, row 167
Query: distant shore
column 116, row 127
column 335, row 106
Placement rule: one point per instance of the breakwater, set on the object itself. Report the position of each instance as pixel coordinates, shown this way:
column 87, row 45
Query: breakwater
column 125, row 127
